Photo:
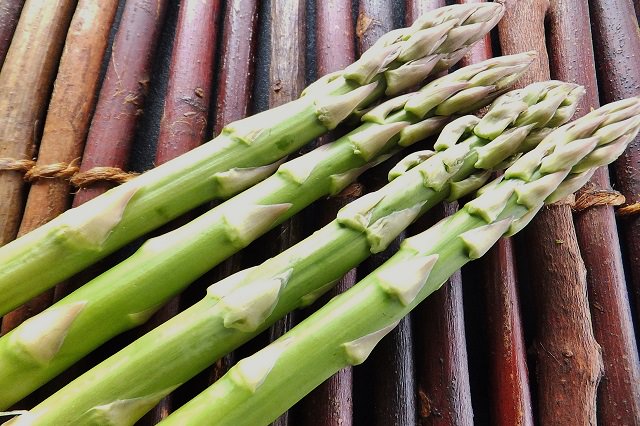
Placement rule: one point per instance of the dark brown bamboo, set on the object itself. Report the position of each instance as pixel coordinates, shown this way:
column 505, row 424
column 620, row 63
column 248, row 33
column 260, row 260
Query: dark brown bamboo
column 444, row 395
column 186, row 104
column 65, row 128
column 617, row 43
column 510, row 397
column 510, row 401
column 237, row 65
column 233, row 102
column 25, row 83
column 9, row 15
column 124, row 89
column 286, row 81
column 332, row 402
column 568, row 359
column 619, row 391
column 184, row 120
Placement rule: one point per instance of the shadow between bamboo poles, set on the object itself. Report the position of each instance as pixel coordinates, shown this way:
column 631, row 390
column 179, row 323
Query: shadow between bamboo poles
column 25, row 83
column 286, row 81
column 123, row 93
column 510, row 400
column 619, row 390
column 616, row 44
column 9, row 15
column 184, row 121
column 332, row 402
column 65, row 129
column 567, row 357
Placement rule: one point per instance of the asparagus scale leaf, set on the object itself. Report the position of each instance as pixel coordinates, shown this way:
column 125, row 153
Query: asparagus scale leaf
column 129, row 293
column 346, row 330
column 244, row 153
column 246, row 303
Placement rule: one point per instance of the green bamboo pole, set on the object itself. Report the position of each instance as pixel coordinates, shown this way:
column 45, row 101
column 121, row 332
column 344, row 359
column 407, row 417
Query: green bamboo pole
column 346, row 330
column 247, row 150
column 244, row 304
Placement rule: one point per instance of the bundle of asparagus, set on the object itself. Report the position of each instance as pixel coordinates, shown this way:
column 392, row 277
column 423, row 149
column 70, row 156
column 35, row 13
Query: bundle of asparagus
column 346, row 330
column 239, row 307
column 129, row 293
column 244, row 153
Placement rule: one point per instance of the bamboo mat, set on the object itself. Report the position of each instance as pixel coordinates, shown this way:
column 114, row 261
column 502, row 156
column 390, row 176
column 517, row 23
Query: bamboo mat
column 540, row 331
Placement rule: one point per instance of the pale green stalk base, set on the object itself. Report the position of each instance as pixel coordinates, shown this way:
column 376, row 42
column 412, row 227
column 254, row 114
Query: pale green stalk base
column 345, row 331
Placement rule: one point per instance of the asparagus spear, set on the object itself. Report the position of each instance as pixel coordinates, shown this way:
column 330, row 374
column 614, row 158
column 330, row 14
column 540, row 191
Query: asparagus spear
column 245, row 152
column 139, row 375
column 128, row 294
column 345, row 331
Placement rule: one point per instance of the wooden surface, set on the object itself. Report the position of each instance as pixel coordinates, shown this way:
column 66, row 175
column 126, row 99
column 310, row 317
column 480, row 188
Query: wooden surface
column 65, row 129
column 521, row 338
column 619, row 389
column 332, row 402
column 568, row 362
column 122, row 95
column 9, row 14
column 508, row 375
column 615, row 34
column 25, row 82
column 185, row 119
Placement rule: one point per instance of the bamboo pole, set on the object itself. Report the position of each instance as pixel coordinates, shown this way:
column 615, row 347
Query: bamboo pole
column 567, row 357
column 510, row 396
column 25, row 82
column 442, row 371
column 616, row 43
column 286, row 81
column 233, row 102
column 65, row 129
column 384, row 386
column 121, row 100
column 184, row 120
column 9, row 15
column 332, row 402
column 619, row 392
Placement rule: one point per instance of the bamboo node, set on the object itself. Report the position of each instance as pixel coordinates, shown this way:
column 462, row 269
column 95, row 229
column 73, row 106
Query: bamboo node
column 51, row 171
column 629, row 210
column 101, row 174
column 597, row 197
column 11, row 164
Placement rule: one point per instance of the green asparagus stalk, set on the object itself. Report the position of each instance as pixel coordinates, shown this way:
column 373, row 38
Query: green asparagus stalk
column 244, row 153
column 128, row 294
column 346, row 330
column 246, row 303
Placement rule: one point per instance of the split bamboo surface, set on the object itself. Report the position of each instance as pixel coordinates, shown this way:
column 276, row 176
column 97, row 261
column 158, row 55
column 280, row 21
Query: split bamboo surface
column 540, row 331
